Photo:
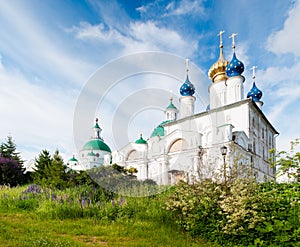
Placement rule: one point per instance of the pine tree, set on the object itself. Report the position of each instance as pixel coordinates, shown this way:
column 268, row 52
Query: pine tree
column 56, row 172
column 50, row 171
column 41, row 165
column 8, row 150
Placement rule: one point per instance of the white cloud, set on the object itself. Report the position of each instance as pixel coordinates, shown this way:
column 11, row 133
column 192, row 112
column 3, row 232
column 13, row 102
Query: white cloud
column 287, row 39
column 95, row 32
column 173, row 8
column 31, row 45
column 185, row 7
column 141, row 36
column 38, row 118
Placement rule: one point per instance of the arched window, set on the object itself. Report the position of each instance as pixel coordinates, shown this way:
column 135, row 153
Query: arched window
column 178, row 145
column 132, row 155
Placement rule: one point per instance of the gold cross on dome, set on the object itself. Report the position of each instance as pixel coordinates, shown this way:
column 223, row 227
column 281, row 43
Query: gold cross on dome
column 221, row 38
column 232, row 37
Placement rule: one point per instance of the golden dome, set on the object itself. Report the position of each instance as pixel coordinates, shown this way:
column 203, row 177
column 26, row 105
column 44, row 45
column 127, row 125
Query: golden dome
column 217, row 71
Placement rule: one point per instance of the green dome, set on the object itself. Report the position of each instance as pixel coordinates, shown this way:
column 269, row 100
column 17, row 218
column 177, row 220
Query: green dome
column 171, row 106
column 96, row 144
column 159, row 130
column 73, row 159
column 141, row 140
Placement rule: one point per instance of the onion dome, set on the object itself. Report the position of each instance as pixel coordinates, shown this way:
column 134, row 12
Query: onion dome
column 235, row 67
column 217, row 70
column 187, row 88
column 255, row 94
column 141, row 140
column 159, row 130
column 73, row 159
column 96, row 144
column 171, row 105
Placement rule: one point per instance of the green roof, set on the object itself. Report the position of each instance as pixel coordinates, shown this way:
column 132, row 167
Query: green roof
column 171, row 106
column 141, row 140
column 159, row 130
column 96, row 144
column 73, row 159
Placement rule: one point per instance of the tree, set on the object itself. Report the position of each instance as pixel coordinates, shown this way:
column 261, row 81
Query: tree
column 50, row 171
column 8, row 150
column 287, row 162
column 41, row 165
column 56, row 172
column 11, row 173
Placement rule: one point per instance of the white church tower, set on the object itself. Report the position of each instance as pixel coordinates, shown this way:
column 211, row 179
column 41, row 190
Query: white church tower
column 227, row 86
column 234, row 83
column 217, row 74
column 171, row 111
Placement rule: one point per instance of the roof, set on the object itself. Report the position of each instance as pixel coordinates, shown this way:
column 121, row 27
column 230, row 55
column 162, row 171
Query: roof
column 244, row 101
column 171, row 106
column 73, row 159
column 159, row 130
column 96, row 144
column 141, row 140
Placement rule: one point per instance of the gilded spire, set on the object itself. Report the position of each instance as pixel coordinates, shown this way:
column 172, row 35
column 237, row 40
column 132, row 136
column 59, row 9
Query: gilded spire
column 217, row 70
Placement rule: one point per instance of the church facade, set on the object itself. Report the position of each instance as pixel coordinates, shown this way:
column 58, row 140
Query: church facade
column 188, row 146
column 233, row 130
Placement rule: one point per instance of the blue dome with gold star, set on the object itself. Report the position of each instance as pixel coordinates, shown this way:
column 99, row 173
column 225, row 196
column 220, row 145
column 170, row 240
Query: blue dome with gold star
column 187, row 88
column 254, row 93
column 235, row 67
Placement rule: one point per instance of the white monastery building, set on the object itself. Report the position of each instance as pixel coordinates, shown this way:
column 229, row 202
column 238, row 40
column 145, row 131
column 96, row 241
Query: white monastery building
column 192, row 146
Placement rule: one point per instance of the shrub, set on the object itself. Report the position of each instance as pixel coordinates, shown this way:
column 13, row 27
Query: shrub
column 240, row 212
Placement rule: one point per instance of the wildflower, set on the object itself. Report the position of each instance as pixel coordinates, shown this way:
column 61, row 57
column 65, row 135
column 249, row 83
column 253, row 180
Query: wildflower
column 83, row 202
column 121, row 201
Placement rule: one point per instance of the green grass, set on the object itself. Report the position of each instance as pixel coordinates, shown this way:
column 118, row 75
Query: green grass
column 29, row 230
column 37, row 220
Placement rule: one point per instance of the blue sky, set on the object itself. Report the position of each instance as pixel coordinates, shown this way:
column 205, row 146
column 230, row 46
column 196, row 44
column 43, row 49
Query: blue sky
column 50, row 49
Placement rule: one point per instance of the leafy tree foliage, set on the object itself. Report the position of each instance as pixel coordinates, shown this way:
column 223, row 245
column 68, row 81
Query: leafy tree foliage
column 287, row 162
column 239, row 211
column 8, row 150
column 11, row 172
column 120, row 180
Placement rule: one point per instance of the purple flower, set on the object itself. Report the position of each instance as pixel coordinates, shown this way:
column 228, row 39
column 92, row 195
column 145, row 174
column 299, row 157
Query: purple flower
column 83, row 202
column 121, row 201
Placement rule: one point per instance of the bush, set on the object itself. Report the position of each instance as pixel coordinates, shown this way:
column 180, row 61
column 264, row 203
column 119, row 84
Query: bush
column 240, row 212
